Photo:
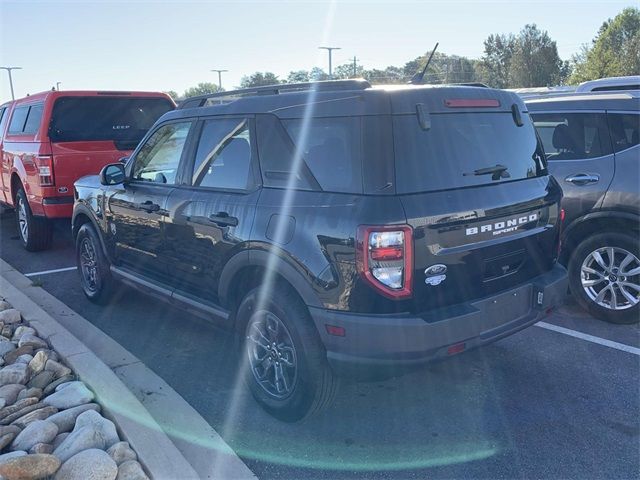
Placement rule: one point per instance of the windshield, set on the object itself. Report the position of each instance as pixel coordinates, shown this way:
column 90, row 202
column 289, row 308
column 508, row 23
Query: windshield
column 464, row 150
column 76, row 119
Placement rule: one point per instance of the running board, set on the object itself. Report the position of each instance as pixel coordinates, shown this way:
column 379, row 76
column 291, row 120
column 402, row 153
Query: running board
column 181, row 299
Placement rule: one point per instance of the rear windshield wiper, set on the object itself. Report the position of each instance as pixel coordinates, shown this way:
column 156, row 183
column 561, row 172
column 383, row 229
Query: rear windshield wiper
column 497, row 172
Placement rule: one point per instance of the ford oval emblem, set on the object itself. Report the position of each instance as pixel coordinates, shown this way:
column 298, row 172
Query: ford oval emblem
column 437, row 269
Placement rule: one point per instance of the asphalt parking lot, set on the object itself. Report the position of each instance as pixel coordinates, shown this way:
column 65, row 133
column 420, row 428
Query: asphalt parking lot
column 542, row 403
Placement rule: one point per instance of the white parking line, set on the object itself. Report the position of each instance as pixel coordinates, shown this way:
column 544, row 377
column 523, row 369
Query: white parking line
column 45, row 272
column 590, row 338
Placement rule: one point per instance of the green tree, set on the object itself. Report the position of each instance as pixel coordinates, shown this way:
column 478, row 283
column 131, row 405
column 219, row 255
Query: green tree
column 494, row 67
column 317, row 74
column 298, row 76
column 346, row 71
column 535, row 61
column 259, row 79
column 202, row 88
column 615, row 51
column 173, row 94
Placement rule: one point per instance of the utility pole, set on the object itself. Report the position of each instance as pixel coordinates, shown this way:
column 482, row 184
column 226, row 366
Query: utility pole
column 220, row 72
column 330, row 49
column 8, row 69
column 355, row 66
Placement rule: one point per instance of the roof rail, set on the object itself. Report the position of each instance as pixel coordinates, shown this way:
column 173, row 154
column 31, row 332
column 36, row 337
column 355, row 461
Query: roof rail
column 325, row 86
column 470, row 84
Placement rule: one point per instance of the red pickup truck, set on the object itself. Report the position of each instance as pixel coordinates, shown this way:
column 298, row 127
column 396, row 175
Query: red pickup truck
column 50, row 139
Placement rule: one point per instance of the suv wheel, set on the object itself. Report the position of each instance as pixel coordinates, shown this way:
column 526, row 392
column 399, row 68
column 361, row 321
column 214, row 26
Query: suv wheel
column 35, row 232
column 286, row 366
column 93, row 267
column 604, row 275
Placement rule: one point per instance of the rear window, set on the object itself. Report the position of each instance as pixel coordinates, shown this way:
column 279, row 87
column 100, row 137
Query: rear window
column 123, row 120
column 463, row 150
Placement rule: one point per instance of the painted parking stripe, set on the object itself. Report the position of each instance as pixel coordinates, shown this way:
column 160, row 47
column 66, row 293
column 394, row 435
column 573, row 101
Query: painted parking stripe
column 46, row 272
column 590, row 338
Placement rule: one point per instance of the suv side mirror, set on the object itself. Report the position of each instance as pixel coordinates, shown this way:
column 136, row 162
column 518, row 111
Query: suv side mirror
column 112, row 174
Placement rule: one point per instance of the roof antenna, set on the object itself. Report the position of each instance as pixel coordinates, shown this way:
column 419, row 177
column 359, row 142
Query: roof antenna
column 417, row 78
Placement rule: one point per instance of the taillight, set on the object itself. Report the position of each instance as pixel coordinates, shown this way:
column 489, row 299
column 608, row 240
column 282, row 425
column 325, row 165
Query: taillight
column 45, row 170
column 385, row 258
column 560, row 224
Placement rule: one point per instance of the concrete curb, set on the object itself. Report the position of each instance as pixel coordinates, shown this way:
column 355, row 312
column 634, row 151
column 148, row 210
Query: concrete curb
column 122, row 384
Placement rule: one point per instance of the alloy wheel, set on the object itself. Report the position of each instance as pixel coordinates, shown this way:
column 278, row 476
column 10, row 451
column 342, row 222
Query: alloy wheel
column 88, row 264
column 23, row 224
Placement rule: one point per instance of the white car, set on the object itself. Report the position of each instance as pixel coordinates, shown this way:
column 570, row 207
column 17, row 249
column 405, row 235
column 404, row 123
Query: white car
column 608, row 84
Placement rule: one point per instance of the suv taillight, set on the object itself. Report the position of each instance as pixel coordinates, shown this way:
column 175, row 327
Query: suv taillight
column 560, row 225
column 384, row 256
column 45, row 170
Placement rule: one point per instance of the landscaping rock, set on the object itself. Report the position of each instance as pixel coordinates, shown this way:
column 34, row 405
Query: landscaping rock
column 55, row 384
column 39, row 431
column 29, row 467
column 131, row 470
column 15, row 373
column 11, row 357
column 76, row 393
column 41, row 448
column 121, row 452
column 39, row 414
column 20, row 331
column 6, row 439
column 91, row 464
column 59, row 439
column 30, row 392
column 79, row 440
column 31, row 340
column 4, row 306
column 10, row 393
column 6, row 346
column 7, row 331
column 37, row 364
column 41, row 380
column 57, row 368
column 100, row 424
column 26, row 358
column 19, row 405
column 10, row 316
column 66, row 419
column 51, row 354
column 10, row 455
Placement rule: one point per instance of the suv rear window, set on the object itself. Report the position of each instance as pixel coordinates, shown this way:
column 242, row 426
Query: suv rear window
column 123, row 120
column 454, row 150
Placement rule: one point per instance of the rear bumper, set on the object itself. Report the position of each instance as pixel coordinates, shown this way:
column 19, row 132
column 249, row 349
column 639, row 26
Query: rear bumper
column 57, row 207
column 384, row 344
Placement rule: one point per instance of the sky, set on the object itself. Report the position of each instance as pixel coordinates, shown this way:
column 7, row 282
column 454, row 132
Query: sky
column 173, row 45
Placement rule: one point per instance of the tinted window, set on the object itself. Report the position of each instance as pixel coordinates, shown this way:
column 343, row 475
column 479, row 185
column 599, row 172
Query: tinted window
column 223, row 158
column 33, row 119
column 159, row 158
column 459, row 148
column 331, row 148
column 18, row 119
column 124, row 120
column 624, row 130
column 573, row 136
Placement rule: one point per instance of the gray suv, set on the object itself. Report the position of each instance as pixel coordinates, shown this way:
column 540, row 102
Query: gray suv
column 591, row 141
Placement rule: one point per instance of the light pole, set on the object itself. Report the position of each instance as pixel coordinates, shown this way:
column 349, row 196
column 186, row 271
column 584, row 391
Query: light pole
column 58, row 86
column 220, row 72
column 330, row 49
column 8, row 69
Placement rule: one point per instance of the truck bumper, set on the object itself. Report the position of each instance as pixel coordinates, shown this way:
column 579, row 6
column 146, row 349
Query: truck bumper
column 57, row 207
column 387, row 344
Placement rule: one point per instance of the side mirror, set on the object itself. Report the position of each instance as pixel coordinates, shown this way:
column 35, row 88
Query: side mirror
column 112, row 174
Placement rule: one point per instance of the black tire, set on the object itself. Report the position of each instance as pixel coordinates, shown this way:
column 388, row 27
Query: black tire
column 97, row 284
column 313, row 387
column 613, row 279
column 35, row 233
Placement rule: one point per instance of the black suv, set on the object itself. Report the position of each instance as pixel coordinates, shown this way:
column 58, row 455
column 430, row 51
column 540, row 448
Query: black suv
column 339, row 228
column 592, row 141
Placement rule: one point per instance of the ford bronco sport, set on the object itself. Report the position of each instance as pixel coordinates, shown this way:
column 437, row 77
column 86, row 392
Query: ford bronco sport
column 339, row 228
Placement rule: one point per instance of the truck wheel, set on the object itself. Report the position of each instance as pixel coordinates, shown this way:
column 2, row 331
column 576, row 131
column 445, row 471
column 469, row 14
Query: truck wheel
column 93, row 267
column 284, row 362
column 35, row 233
column 604, row 276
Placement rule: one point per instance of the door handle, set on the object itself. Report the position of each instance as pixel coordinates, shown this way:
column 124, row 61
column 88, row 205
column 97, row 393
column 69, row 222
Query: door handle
column 148, row 206
column 222, row 219
column 583, row 178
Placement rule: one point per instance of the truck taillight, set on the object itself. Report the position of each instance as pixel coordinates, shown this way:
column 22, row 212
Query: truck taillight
column 385, row 259
column 45, row 170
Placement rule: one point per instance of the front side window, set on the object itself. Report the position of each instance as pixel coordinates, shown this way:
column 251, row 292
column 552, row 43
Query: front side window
column 573, row 136
column 625, row 130
column 223, row 157
column 159, row 158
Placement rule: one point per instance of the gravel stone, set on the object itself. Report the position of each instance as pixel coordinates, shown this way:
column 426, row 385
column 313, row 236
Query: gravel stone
column 41, row 448
column 19, row 405
column 6, row 440
column 131, row 470
column 15, row 373
column 10, row 393
column 121, row 452
column 7, row 331
column 39, row 414
column 41, row 380
column 66, row 419
column 76, row 393
column 30, row 392
column 37, row 364
column 21, row 330
column 11, row 357
column 40, row 431
column 31, row 340
column 91, row 464
column 26, row 358
column 6, row 346
column 29, row 467
column 10, row 316
column 57, row 368
column 55, row 384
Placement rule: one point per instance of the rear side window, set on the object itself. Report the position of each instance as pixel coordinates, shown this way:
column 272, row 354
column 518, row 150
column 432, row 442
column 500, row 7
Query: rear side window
column 18, row 119
column 34, row 117
column 625, row 130
column 464, row 149
column 124, row 120
column 573, row 136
